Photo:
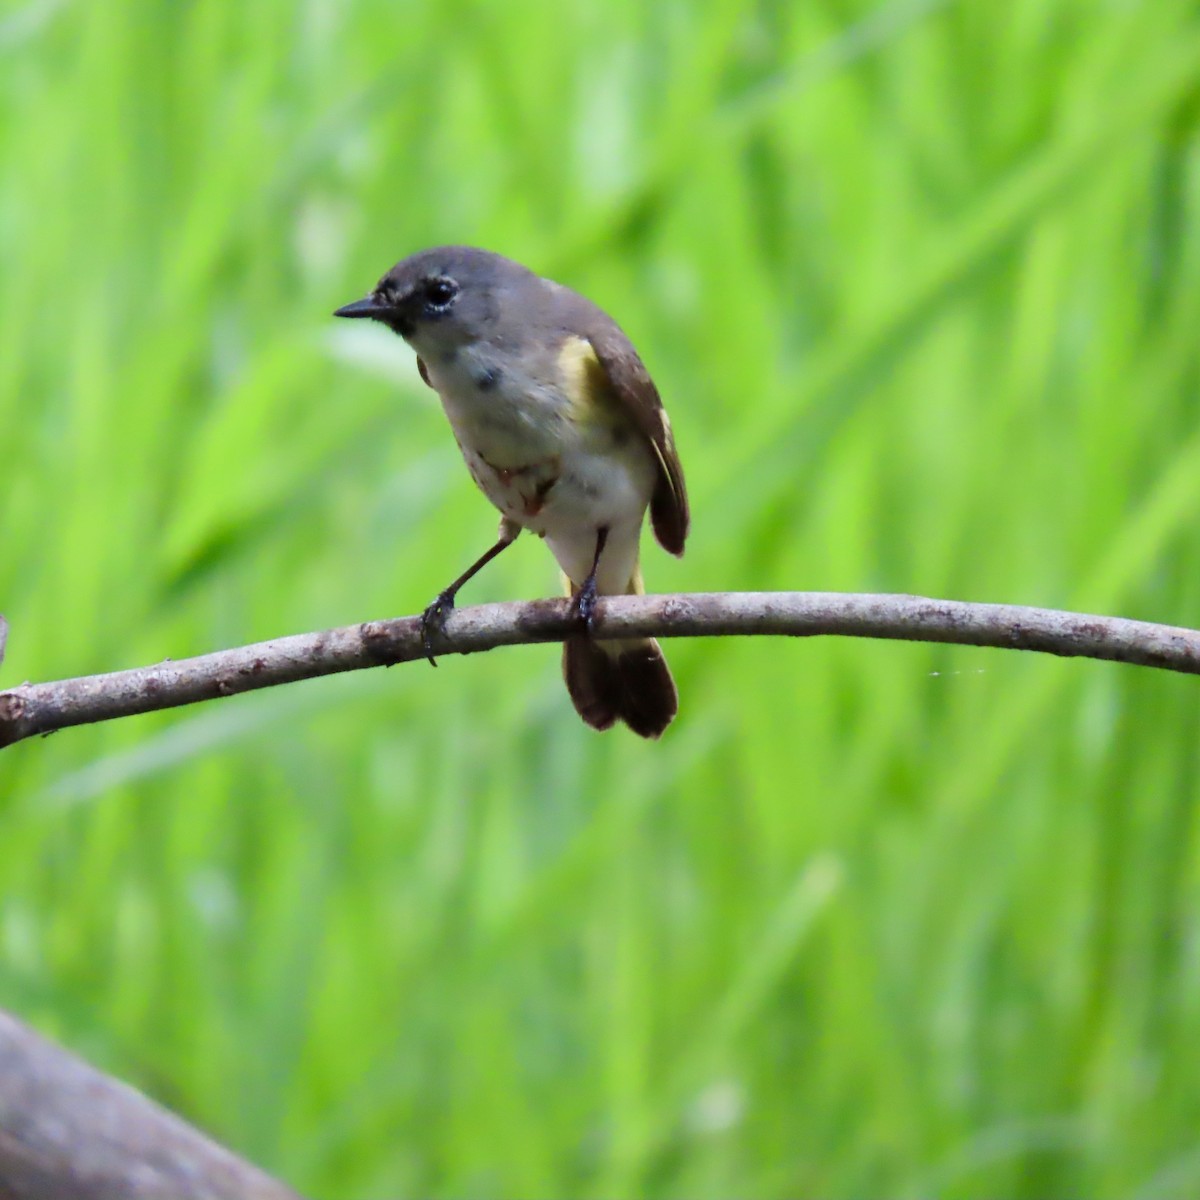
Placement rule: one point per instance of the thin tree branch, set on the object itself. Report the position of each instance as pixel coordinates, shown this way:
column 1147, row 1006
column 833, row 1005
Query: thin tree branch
column 43, row 707
column 68, row 1130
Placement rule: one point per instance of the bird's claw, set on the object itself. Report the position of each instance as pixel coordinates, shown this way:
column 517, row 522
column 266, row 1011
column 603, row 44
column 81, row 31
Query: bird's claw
column 585, row 605
column 433, row 620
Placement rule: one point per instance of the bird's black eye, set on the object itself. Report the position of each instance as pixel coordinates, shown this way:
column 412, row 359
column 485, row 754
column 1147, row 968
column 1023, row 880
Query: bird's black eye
column 440, row 292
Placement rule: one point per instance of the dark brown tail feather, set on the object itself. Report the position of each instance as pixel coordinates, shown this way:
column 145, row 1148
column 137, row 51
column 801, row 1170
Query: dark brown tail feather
column 630, row 681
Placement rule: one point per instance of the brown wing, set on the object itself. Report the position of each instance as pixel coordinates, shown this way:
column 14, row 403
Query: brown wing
column 635, row 391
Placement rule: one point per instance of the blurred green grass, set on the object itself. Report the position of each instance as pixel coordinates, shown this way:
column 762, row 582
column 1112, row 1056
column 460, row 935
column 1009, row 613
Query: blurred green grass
column 920, row 283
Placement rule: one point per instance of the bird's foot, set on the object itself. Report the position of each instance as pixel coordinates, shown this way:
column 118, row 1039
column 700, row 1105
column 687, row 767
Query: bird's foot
column 433, row 621
column 585, row 604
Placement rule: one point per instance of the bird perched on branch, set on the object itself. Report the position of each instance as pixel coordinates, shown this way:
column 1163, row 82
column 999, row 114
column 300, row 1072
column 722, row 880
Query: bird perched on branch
column 563, row 430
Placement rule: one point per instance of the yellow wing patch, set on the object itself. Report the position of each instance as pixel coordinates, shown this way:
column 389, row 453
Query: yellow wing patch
column 585, row 382
column 593, row 399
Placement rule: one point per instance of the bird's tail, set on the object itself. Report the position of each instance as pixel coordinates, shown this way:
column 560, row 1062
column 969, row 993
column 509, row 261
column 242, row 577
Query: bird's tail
column 626, row 680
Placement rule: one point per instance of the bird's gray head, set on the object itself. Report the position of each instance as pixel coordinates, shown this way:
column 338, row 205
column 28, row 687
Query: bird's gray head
column 444, row 297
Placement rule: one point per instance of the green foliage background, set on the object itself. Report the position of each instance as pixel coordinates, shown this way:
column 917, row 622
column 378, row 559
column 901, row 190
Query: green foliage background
column 920, row 283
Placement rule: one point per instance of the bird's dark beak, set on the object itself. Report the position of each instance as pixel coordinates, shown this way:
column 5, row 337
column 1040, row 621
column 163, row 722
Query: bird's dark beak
column 370, row 307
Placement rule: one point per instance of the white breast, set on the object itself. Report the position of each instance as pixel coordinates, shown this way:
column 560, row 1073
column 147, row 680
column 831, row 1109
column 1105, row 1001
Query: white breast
column 545, row 470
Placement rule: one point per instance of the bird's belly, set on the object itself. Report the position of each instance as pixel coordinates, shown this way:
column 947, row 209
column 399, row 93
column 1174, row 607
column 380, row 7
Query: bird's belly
column 563, row 487
column 518, row 486
column 547, row 470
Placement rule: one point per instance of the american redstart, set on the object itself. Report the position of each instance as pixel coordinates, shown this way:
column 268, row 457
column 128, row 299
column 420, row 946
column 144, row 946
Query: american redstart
column 563, row 430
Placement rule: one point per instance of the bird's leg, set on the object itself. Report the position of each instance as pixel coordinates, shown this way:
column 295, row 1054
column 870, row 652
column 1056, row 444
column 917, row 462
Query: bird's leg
column 585, row 601
column 433, row 619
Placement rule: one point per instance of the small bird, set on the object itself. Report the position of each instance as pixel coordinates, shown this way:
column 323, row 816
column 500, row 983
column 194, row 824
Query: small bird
column 563, row 430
